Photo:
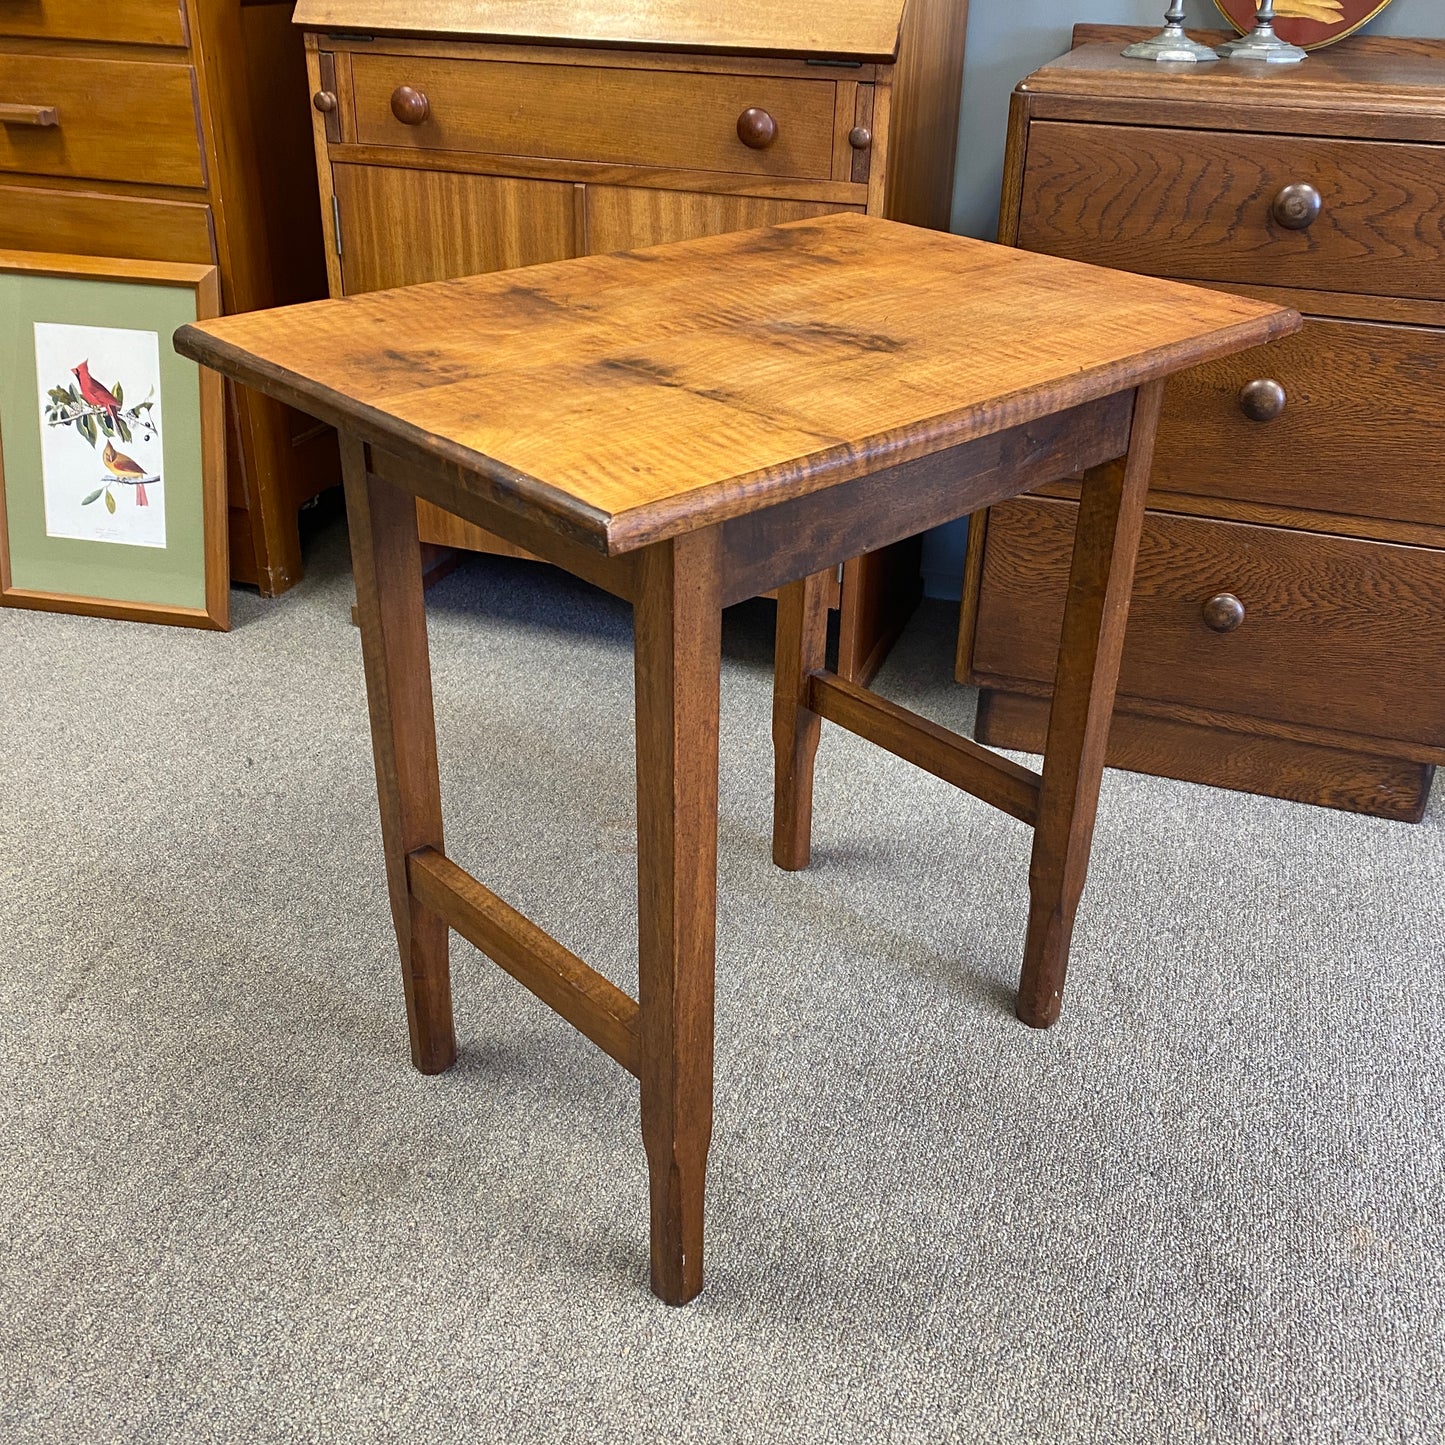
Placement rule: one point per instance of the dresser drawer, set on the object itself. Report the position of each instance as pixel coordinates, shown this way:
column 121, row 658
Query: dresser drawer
column 90, row 223
column 593, row 113
column 1337, row 633
column 118, row 120
column 139, row 22
column 1201, row 205
column 1358, row 431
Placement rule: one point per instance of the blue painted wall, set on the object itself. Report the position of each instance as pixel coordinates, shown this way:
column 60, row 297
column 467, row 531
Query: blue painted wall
column 1006, row 40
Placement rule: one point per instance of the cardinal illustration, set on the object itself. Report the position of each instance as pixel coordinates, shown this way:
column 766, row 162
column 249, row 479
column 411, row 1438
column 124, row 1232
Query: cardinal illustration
column 126, row 468
column 96, row 394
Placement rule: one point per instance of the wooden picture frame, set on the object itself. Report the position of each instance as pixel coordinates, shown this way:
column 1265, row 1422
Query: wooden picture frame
column 112, row 486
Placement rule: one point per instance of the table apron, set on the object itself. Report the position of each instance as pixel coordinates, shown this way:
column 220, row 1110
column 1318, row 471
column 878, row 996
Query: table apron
column 441, row 482
column 776, row 545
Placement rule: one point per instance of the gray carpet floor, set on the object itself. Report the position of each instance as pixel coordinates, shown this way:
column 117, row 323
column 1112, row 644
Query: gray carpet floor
column 1207, row 1206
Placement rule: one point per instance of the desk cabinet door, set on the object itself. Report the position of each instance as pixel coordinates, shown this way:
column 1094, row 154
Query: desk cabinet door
column 400, row 227
column 622, row 218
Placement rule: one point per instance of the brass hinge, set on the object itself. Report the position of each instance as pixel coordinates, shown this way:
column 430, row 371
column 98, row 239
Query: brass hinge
column 336, row 221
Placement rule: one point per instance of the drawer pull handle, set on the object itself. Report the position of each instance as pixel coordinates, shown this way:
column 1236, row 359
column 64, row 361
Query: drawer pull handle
column 29, row 115
column 1262, row 400
column 1296, row 207
column 1223, row 612
column 324, row 101
column 409, row 105
column 860, row 137
column 757, row 129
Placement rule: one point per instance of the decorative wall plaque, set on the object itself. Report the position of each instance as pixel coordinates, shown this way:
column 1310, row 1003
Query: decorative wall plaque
column 1308, row 23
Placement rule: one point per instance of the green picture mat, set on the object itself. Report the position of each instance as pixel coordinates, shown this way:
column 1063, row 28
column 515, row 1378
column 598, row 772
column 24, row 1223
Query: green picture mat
column 172, row 576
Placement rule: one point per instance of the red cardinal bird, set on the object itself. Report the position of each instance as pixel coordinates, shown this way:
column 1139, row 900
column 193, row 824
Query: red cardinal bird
column 95, row 393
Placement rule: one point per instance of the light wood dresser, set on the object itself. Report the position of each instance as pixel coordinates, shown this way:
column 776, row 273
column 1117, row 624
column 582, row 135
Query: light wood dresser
column 454, row 138
column 1287, row 628
column 175, row 130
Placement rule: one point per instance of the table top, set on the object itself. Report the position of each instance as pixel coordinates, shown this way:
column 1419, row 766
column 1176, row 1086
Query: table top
column 623, row 399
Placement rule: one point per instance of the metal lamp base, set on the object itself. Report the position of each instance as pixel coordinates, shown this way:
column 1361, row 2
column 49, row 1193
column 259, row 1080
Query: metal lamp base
column 1170, row 45
column 1262, row 44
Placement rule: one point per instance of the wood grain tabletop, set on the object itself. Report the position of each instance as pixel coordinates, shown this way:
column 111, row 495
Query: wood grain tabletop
column 625, row 398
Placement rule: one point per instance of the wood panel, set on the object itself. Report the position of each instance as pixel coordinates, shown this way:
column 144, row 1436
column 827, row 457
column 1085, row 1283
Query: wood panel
column 400, row 227
column 596, row 113
column 93, row 223
column 99, row 103
column 727, row 373
column 923, row 116
column 444, row 529
column 1197, row 204
column 1352, row 391
column 595, row 173
column 1336, row 632
column 1377, row 85
column 770, row 548
column 622, row 218
column 1201, row 751
column 135, row 22
column 858, row 29
column 250, row 69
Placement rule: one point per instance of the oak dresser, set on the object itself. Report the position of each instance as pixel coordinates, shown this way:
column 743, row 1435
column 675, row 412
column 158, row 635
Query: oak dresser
column 453, row 138
column 1287, row 627
column 175, row 130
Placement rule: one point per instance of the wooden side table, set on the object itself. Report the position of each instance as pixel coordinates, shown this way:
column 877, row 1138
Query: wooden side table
column 684, row 427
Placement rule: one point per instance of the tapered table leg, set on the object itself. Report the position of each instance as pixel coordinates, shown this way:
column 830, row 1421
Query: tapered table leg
column 386, row 559
column 801, row 648
column 678, row 642
column 1101, row 578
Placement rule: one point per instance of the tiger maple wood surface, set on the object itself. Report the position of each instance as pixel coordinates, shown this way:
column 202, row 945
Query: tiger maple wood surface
column 627, row 398
column 859, row 29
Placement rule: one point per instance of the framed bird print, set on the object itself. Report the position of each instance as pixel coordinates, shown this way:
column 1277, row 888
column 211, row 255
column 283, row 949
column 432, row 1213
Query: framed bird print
column 1307, row 23
column 112, row 450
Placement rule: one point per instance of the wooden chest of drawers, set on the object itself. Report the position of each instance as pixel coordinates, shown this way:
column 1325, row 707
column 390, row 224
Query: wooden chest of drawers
column 175, row 130
column 452, row 140
column 1287, row 631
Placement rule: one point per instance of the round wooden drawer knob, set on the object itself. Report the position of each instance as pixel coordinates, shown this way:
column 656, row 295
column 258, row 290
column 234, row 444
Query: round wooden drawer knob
column 409, row 105
column 1262, row 400
column 757, row 129
column 1296, row 207
column 324, row 101
column 1223, row 612
column 860, row 137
